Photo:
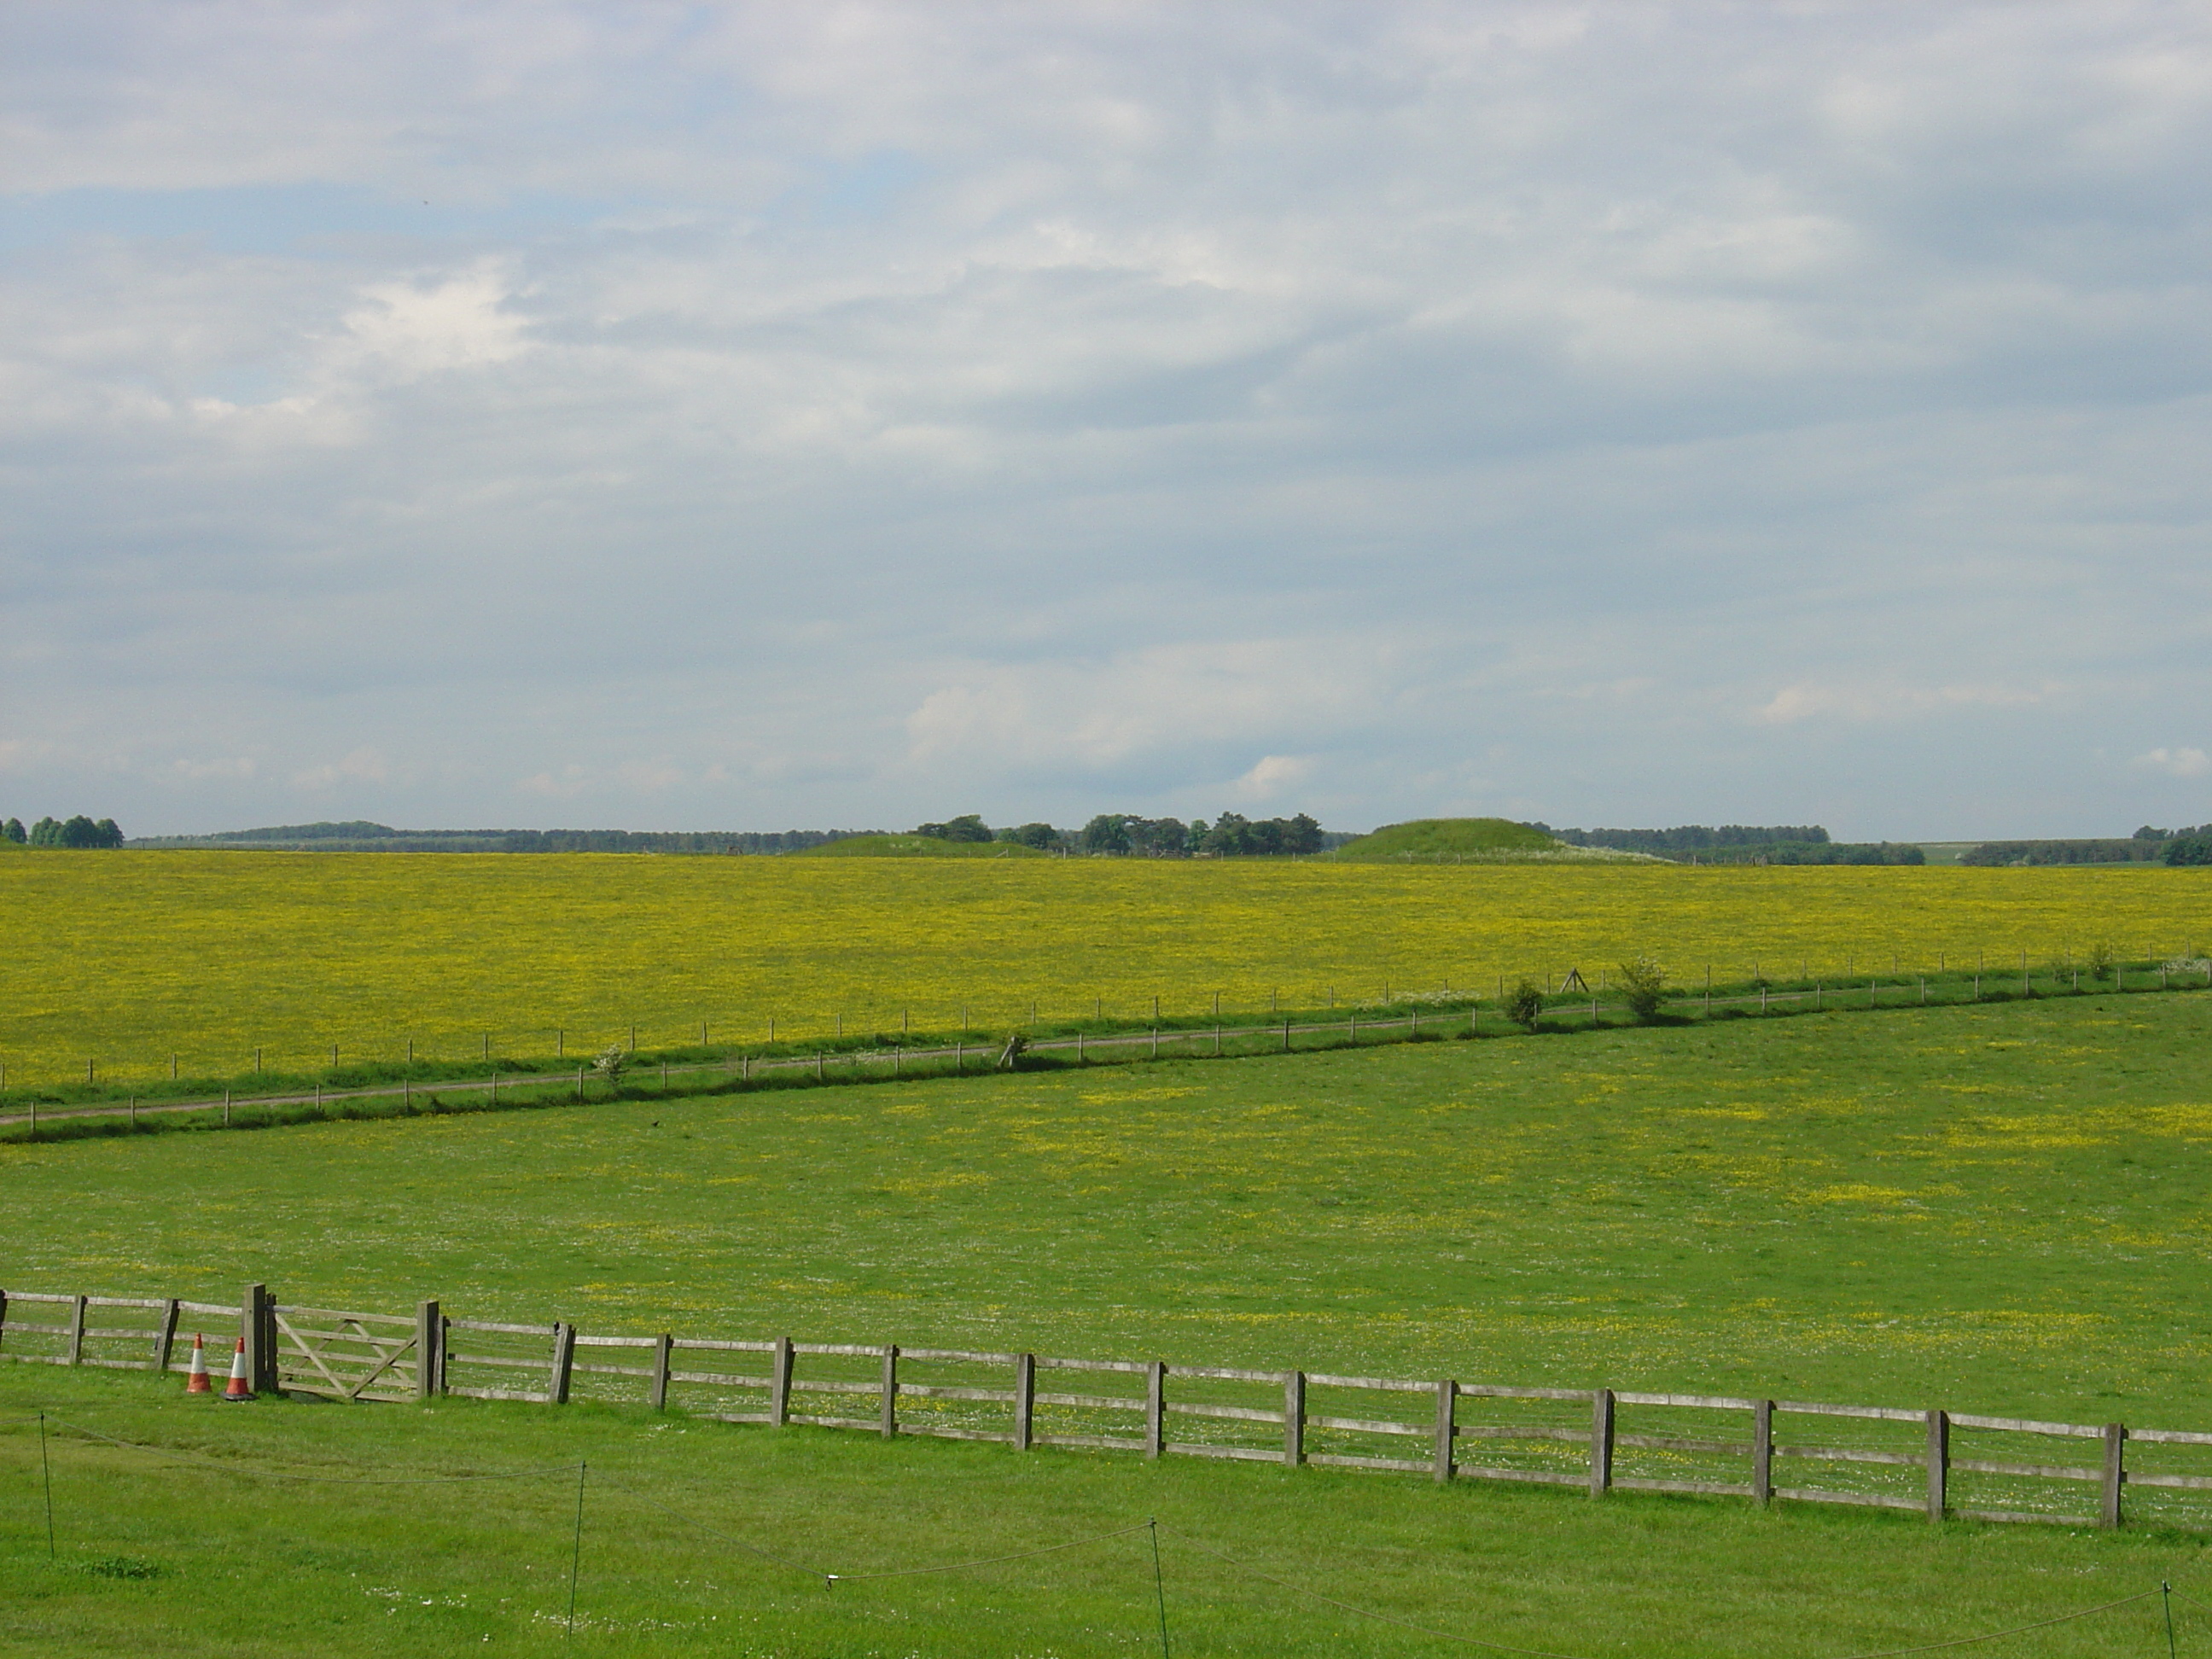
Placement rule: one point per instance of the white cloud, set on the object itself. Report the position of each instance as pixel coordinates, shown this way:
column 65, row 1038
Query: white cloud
column 1275, row 775
column 853, row 407
column 2179, row 762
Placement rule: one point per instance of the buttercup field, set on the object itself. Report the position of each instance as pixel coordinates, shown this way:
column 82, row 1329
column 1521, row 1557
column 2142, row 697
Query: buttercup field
column 127, row 959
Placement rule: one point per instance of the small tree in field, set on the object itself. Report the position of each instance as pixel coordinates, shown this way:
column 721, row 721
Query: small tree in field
column 609, row 1064
column 2100, row 961
column 1526, row 1005
column 1641, row 980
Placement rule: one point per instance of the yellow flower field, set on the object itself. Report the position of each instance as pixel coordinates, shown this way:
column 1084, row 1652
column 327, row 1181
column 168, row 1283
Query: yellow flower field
column 126, row 958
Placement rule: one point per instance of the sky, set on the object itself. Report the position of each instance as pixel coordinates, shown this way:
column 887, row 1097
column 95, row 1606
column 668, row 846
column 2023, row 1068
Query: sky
column 847, row 415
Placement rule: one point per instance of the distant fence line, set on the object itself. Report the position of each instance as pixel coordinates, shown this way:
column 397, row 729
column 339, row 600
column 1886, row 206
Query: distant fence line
column 1768, row 976
column 1595, row 1440
column 1120, row 1043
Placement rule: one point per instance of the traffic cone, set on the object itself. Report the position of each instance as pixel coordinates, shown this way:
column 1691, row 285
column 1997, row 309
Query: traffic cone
column 196, row 1379
column 238, row 1388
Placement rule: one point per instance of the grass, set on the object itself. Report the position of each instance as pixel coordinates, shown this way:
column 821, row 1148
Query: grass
column 188, row 1538
column 1998, row 1208
column 139, row 961
column 1448, row 837
column 2001, row 1208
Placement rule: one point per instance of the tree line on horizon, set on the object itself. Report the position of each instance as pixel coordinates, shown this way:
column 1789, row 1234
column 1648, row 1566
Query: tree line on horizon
column 1126, row 835
column 77, row 831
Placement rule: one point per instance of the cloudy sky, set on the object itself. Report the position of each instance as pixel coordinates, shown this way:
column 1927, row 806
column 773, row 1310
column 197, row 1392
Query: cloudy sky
column 753, row 417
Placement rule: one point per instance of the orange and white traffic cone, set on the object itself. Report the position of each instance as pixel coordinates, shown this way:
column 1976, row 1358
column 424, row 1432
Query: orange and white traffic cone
column 238, row 1388
column 196, row 1379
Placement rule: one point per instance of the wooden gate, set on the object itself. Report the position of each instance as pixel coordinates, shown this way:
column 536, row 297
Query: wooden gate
column 355, row 1356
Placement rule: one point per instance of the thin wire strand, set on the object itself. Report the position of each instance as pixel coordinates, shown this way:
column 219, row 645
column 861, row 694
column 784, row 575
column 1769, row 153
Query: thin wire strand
column 319, row 1479
column 606, row 1484
column 2017, row 1629
column 1364, row 1613
column 990, row 1560
column 1495, row 1647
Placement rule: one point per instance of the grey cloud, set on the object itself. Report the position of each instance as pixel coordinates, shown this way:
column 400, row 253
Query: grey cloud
column 774, row 414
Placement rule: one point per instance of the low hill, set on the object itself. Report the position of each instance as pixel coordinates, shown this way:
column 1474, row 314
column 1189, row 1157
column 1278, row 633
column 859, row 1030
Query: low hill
column 1447, row 837
column 918, row 846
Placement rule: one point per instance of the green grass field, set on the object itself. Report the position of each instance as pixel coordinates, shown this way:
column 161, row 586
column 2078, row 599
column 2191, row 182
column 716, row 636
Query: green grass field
column 1999, row 1208
column 153, row 1554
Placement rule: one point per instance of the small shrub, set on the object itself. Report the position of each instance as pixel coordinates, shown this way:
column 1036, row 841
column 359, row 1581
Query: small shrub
column 609, row 1064
column 2100, row 961
column 124, row 1566
column 1641, row 981
column 1526, row 1005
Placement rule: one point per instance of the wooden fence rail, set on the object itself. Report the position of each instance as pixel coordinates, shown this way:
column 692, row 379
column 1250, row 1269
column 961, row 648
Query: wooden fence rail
column 1928, row 1462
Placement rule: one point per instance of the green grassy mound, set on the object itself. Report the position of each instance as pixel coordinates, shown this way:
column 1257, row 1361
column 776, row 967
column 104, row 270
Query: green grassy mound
column 917, row 847
column 1429, row 837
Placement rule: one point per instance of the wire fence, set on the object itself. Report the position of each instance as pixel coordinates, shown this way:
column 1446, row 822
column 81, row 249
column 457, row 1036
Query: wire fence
column 1571, row 1004
column 53, row 1430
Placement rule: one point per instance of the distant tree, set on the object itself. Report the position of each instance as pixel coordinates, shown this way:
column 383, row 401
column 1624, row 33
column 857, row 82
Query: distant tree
column 611, row 1063
column 14, row 830
column 1641, row 980
column 1041, row 836
column 2146, row 833
column 969, row 826
column 2100, row 961
column 1107, row 833
column 1301, row 835
column 1526, row 1005
column 2195, row 848
column 1229, row 835
column 46, row 832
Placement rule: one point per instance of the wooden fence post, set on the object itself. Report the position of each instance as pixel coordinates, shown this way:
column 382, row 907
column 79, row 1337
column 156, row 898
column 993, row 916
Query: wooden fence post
column 1156, row 1400
column 664, row 1352
column 779, row 1383
column 1447, row 1425
column 2116, row 1435
column 890, row 1391
column 1294, row 1418
column 429, row 1350
column 249, row 1327
column 564, row 1361
column 76, row 1331
column 1024, row 1401
column 1762, row 1452
column 1600, row 1459
column 4, row 1318
column 1939, row 1462
column 165, row 1339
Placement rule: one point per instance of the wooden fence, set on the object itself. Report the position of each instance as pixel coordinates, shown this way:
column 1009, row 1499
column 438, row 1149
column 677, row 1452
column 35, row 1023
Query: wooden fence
column 1934, row 1462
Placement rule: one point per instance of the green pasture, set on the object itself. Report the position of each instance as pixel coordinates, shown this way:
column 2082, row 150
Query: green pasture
column 2000, row 1208
column 189, row 1539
